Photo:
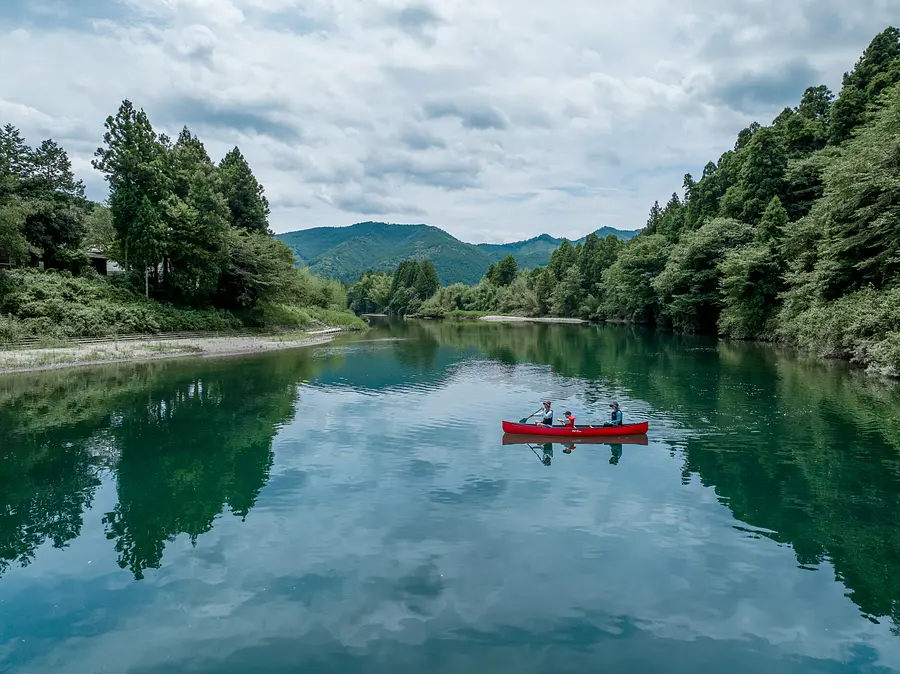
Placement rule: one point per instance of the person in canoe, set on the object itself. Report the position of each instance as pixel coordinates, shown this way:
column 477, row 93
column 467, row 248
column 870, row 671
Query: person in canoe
column 569, row 420
column 615, row 418
column 546, row 415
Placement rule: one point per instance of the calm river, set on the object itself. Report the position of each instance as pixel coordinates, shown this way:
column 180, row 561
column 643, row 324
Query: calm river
column 352, row 508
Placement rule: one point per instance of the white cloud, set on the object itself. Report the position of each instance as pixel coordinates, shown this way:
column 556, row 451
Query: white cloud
column 509, row 98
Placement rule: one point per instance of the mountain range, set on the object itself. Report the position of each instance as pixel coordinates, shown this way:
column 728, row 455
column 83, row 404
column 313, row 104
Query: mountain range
column 344, row 253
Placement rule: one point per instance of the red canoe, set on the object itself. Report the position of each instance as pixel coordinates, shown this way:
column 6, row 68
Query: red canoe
column 580, row 440
column 577, row 432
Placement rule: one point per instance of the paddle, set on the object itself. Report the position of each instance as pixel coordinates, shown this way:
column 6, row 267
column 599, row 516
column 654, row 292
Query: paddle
column 522, row 421
column 544, row 460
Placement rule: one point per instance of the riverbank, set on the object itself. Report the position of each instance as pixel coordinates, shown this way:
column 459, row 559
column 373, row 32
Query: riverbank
column 488, row 317
column 132, row 350
column 524, row 319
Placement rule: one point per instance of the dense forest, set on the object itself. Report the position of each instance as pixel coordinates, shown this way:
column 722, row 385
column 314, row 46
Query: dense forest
column 793, row 235
column 191, row 235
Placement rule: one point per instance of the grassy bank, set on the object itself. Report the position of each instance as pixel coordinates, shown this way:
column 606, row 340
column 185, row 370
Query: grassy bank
column 57, row 305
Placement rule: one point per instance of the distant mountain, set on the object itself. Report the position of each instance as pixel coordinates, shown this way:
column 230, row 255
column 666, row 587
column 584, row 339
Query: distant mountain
column 346, row 252
column 536, row 252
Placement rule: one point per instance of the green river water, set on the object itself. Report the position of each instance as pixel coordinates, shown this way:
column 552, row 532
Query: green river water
column 352, row 508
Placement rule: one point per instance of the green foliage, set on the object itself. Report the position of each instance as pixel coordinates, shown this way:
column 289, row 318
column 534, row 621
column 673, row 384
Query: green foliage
column 505, row 271
column 596, row 257
column 243, row 194
column 863, row 326
column 771, row 226
column 877, row 69
column 315, row 291
column 561, row 259
column 446, row 301
column 628, row 283
column 566, row 297
column 15, row 155
column 42, row 206
column 188, row 232
column 518, row 298
column 13, row 244
column 99, row 231
column 426, row 281
column 859, row 212
column 53, row 304
column 542, row 281
column 803, row 180
column 412, row 283
column 371, row 294
column 762, row 173
column 51, row 171
column 671, row 221
column 504, row 288
column 274, row 315
column 135, row 165
column 751, row 281
column 258, row 268
column 199, row 234
column 50, row 304
column 688, row 286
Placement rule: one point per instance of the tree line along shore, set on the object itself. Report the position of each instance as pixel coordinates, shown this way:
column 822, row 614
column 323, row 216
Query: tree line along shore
column 791, row 236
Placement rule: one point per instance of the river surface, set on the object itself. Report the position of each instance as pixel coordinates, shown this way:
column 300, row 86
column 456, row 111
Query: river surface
column 353, row 508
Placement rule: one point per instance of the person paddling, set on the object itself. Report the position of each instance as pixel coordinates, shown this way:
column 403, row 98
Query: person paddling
column 546, row 415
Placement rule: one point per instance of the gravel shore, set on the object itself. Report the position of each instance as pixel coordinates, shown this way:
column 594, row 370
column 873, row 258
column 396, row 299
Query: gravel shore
column 523, row 319
column 30, row 360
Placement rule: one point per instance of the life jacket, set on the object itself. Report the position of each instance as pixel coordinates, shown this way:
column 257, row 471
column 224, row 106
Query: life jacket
column 616, row 416
column 570, row 421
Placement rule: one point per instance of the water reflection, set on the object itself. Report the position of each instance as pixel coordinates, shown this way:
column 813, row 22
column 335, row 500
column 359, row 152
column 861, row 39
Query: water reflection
column 185, row 442
column 357, row 492
column 543, row 447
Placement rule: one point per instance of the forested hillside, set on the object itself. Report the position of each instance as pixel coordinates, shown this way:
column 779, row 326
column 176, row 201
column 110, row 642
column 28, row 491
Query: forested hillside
column 792, row 235
column 191, row 235
column 344, row 253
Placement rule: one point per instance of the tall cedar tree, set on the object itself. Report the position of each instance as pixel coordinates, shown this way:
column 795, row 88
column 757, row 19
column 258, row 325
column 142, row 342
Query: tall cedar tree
column 243, row 194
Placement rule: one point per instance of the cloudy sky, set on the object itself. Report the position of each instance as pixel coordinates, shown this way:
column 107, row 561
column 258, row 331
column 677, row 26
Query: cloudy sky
column 495, row 120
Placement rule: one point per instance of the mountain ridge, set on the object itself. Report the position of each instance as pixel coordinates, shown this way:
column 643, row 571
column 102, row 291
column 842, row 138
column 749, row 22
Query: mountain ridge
column 345, row 252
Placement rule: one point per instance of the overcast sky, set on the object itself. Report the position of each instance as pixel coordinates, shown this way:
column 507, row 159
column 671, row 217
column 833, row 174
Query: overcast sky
column 495, row 120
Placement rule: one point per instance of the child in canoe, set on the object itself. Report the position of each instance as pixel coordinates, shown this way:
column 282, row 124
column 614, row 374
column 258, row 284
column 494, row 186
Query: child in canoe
column 569, row 421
